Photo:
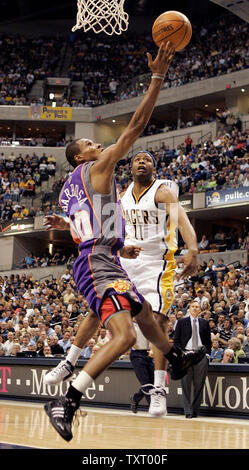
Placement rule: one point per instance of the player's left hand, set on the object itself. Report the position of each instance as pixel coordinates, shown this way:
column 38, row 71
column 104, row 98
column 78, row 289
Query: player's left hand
column 131, row 251
column 190, row 262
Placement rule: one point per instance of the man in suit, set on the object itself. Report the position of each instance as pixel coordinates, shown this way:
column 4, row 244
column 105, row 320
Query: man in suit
column 190, row 332
column 233, row 306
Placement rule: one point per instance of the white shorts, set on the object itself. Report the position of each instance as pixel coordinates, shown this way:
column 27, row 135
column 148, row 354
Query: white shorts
column 153, row 279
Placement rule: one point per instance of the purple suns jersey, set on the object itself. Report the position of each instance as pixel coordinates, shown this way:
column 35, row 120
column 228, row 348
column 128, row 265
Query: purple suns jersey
column 97, row 225
column 95, row 219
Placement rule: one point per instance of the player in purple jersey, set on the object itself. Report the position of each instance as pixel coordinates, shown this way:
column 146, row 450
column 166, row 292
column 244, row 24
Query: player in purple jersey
column 90, row 200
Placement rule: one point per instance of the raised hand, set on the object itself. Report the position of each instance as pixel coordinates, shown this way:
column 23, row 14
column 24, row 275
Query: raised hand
column 163, row 59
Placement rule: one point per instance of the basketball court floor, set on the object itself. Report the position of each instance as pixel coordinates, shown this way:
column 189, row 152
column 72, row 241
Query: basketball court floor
column 25, row 424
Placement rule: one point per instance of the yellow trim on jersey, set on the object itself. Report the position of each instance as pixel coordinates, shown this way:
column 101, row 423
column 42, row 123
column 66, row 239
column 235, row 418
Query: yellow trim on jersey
column 137, row 199
column 167, row 289
column 170, row 240
column 167, row 278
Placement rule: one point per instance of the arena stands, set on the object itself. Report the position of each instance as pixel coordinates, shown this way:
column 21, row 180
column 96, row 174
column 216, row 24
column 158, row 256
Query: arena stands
column 36, row 314
column 107, row 69
column 35, row 311
column 23, row 61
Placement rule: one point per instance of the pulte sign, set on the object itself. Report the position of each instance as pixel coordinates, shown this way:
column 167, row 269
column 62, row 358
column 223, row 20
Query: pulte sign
column 226, row 197
column 223, row 392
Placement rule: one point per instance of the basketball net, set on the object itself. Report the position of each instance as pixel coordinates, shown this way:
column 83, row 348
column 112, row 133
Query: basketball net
column 102, row 15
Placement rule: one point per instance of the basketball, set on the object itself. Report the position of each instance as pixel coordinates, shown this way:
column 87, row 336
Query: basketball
column 172, row 26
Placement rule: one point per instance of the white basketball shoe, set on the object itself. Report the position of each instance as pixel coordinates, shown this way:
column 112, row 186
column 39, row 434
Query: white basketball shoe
column 158, row 403
column 61, row 372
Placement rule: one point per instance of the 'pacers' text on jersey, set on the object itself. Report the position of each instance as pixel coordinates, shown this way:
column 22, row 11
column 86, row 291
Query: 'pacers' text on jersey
column 148, row 225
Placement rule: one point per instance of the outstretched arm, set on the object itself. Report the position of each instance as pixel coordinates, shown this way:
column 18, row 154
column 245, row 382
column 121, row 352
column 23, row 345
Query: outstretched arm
column 179, row 219
column 102, row 171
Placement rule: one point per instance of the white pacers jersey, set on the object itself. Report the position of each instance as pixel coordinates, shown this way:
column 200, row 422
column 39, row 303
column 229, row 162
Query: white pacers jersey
column 149, row 226
column 146, row 224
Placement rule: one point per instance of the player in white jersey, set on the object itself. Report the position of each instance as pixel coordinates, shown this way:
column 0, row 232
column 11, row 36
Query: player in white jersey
column 152, row 214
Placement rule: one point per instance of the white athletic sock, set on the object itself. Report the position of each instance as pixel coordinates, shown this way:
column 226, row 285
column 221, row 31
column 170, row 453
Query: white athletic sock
column 159, row 378
column 82, row 381
column 74, row 354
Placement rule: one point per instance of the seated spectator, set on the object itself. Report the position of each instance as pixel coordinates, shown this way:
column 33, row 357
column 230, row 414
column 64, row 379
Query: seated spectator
column 213, row 327
column 68, row 295
column 102, row 338
column 40, row 347
column 228, row 356
column 95, row 348
column 29, row 260
column 235, row 345
column 25, row 342
column 216, row 352
column 246, row 343
column 238, row 328
column 203, row 244
column 47, row 351
column 233, row 305
column 220, row 267
column 8, row 345
column 15, row 349
column 87, row 351
column 225, row 333
column 65, row 341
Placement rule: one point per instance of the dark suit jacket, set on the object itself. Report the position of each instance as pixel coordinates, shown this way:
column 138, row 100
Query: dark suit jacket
column 183, row 333
column 232, row 310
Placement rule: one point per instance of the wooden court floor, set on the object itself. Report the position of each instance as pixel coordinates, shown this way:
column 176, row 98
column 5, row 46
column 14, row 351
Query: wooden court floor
column 26, row 424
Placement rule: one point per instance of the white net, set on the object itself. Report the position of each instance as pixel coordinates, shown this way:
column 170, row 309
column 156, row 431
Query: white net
column 102, row 16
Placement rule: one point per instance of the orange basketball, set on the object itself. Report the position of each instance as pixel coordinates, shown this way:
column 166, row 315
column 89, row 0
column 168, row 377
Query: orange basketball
column 172, row 26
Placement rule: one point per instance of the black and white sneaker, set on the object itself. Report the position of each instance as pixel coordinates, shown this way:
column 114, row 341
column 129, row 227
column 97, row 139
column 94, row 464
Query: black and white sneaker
column 61, row 413
column 61, row 372
column 185, row 360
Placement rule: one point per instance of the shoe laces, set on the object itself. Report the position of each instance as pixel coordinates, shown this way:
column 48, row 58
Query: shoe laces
column 73, row 412
column 61, row 366
column 155, row 390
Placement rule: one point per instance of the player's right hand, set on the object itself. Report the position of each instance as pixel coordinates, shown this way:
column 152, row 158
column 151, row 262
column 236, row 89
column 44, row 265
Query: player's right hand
column 54, row 222
column 190, row 262
column 163, row 59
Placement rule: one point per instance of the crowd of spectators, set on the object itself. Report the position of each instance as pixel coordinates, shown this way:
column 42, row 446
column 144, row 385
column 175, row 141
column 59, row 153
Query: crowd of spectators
column 23, row 61
column 108, row 69
column 117, row 70
column 223, row 293
column 44, row 316
column 47, row 259
column 19, row 177
column 219, row 164
column 41, row 140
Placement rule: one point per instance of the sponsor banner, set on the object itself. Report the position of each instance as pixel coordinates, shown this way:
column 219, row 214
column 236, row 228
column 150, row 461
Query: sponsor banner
column 17, row 226
column 186, row 201
column 226, row 388
column 226, row 197
column 48, row 113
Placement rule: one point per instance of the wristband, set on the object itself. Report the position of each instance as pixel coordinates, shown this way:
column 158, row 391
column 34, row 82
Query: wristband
column 158, row 75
